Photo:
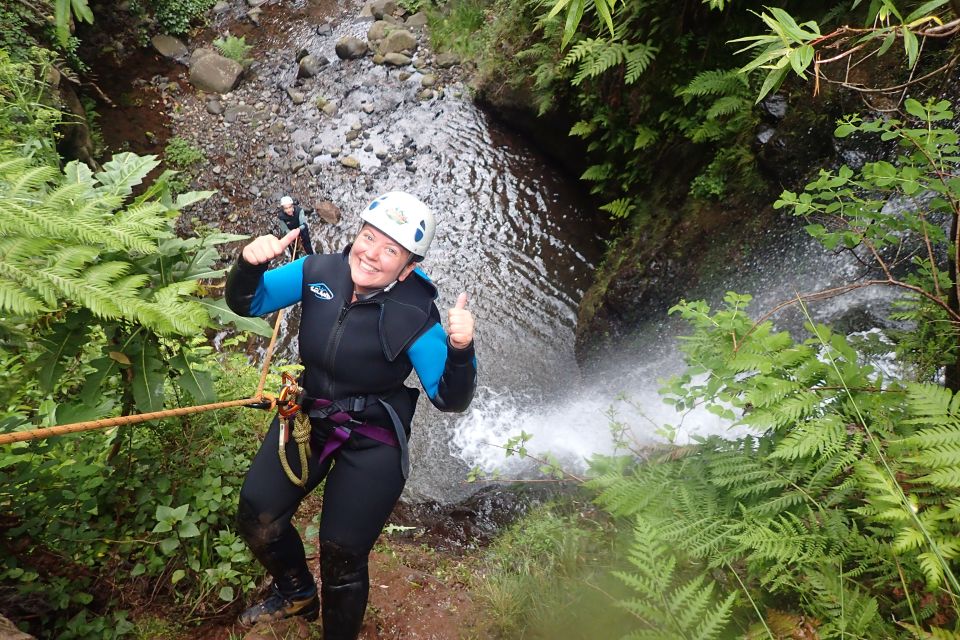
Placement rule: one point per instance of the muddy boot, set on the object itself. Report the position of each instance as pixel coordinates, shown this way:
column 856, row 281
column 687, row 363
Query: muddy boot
column 344, row 587
column 277, row 606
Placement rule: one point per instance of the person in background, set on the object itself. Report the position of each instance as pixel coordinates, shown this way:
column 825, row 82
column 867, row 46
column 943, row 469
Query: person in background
column 292, row 216
column 368, row 319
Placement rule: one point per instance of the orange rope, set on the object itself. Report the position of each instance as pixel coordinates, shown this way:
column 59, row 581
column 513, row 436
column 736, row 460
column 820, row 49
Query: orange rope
column 46, row 432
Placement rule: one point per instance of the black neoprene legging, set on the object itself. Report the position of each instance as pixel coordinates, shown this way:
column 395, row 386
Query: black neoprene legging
column 363, row 483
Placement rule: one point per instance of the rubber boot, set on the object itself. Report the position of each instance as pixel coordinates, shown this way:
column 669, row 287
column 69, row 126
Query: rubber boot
column 278, row 548
column 344, row 587
column 278, row 605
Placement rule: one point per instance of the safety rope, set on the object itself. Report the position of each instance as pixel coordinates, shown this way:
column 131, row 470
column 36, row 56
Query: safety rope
column 301, row 435
column 46, row 432
column 260, row 400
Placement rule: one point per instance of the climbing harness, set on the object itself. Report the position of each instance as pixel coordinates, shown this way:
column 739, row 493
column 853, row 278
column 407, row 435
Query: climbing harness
column 296, row 410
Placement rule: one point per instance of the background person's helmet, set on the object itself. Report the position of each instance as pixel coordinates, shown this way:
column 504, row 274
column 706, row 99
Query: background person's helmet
column 404, row 218
column 285, row 200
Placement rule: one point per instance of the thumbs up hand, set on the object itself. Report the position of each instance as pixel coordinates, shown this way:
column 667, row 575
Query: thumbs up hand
column 266, row 248
column 460, row 324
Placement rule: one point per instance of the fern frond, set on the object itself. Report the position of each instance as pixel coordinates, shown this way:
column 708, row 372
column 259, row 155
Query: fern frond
column 638, row 58
column 717, row 82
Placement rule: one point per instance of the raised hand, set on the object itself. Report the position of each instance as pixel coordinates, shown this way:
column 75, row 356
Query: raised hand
column 460, row 324
column 266, row 248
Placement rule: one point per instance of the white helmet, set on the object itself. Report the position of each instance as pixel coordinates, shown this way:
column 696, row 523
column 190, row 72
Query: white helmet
column 404, row 218
column 285, row 200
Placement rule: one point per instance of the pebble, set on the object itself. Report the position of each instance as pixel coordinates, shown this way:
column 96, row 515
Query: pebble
column 350, row 162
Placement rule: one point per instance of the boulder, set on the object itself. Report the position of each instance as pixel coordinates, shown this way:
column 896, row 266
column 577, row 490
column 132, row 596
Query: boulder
column 398, row 41
column 447, row 59
column 328, row 212
column 351, row 48
column 310, row 65
column 378, row 30
column 215, row 74
column 396, row 59
column 380, row 8
column 200, row 52
column 417, row 20
column 169, row 47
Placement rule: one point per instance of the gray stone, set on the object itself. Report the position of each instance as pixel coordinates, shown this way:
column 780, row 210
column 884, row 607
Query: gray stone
column 377, row 58
column 380, row 8
column 232, row 114
column 378, row 30
column 396, row 59
column 316, row 150
column 350, row 162
column 397, row 41
column 254, row 15
column 215, row 74
column 351, row 48
column 381, row 154
column 255, row 3
column 426, row 94
column 417, row 20
column 447, row 59
column 392, row 20
column 200, row 52
column 221, row 6
column 169, row 47
column 403, row 76
column 352, row 135
column 428, row 80
column 330, row 109
column 310, row 65
column 297, row 97
column 324, row 29
column 254, row 190
column 333, row 151
column 328, row 212
column 9, row 631
column 214, row 107
column 368, row 108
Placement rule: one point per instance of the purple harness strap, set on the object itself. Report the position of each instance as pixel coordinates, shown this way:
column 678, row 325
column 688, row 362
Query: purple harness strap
column 341, row 433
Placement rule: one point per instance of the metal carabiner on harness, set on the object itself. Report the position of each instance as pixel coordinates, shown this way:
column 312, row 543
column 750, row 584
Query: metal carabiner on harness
column 288, row 406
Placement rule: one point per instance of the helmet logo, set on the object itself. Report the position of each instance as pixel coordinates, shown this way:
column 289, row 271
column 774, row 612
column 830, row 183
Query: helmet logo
column 419, row 234
column 396, row 215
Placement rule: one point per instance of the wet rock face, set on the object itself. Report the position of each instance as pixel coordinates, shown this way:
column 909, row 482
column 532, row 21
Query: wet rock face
column 640, row 283
column 351, row 48
column 474, row 522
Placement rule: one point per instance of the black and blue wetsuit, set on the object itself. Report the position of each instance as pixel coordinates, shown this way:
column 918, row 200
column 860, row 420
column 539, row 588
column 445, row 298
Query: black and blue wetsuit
column 363, row 349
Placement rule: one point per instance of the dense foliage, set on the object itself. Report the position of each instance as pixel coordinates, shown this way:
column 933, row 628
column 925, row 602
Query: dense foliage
column 104, row 314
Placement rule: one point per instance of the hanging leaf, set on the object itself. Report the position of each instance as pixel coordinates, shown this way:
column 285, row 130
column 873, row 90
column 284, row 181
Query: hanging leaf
column 912, row 47
column 199, row 384
column 148, row 376
column 218, row 309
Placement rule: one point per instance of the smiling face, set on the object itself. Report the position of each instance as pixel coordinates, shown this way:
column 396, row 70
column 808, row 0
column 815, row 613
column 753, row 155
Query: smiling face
column 376, row 260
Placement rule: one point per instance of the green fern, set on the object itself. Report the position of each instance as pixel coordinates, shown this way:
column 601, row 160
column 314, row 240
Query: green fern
column 665, row 604
column 595, row 56
column 63, row 239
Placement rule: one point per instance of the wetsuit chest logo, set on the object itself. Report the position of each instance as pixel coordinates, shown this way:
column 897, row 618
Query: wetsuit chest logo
column 321, row 291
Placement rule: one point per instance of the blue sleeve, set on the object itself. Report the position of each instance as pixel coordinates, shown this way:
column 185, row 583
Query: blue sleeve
column 278, row 288
column 448, row 375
